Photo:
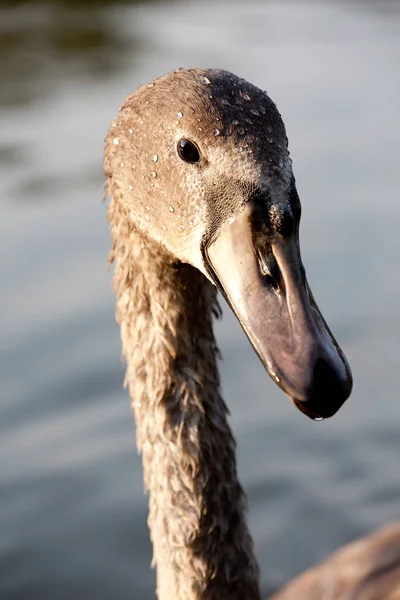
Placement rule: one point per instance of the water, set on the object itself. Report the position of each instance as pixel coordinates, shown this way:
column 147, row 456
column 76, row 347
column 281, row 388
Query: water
column 73, row 513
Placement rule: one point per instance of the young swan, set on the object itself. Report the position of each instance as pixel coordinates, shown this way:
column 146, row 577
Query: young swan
column 203, row 197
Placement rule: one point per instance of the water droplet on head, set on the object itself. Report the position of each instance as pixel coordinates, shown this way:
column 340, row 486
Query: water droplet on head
column 130, row 130
column 263, row 110
column 270, row 140
column 155, row 158
column 179, row 114
column 147, row 217
column 204, row 80
column 153, row 174
column 318, row 418
column 130, row 187
column 216, row 131
column 240, row 131
column 246, row 97
column 163, row 228
column 240, row 149
column 235, row 122
column 255, row 112
column 147, row 207
column 150, row 85
column 280, row 163
column 171, row 209
column 182, row 227
column 224, row 101
column 115, row 141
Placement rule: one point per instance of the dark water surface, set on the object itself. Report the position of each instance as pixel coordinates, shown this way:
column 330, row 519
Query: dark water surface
column 73, row 513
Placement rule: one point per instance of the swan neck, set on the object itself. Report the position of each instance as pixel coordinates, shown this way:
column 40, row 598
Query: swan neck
column 202, row 546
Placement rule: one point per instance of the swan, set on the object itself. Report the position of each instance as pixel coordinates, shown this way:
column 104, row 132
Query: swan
column 203, row 198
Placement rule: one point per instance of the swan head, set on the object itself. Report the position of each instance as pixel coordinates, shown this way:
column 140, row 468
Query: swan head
column 199, row 159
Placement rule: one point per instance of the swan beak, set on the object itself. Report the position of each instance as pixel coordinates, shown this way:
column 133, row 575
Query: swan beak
column 260, row 274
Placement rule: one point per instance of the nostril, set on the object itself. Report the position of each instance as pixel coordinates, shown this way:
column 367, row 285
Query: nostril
column 269, row 270
column 269, row 280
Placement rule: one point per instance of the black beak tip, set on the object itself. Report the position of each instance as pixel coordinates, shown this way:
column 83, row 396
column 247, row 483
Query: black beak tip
column 328, row 392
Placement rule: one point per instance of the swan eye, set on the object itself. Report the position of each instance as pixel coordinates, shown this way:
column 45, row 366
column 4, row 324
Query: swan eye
column 188, row 151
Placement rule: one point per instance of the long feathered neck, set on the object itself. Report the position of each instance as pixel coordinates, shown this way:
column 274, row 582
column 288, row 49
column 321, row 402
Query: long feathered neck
column 202, row 547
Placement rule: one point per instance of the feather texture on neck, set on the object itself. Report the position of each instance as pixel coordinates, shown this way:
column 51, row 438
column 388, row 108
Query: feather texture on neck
column 202, row 547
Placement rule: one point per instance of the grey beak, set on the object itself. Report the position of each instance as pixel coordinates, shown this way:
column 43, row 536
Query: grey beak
column 277, row 311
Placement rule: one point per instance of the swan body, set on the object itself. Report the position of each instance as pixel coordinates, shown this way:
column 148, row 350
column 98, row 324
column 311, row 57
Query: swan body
column 368, row 569
column 203, row 197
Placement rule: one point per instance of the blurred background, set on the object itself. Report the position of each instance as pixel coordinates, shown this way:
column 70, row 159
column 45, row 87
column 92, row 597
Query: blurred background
column 72, row 508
